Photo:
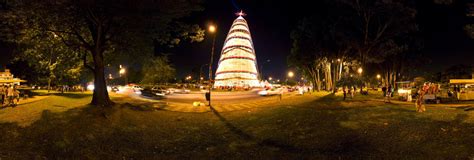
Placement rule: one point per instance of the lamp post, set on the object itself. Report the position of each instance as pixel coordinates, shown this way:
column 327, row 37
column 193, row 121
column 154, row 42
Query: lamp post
column 200, row 73
column 212, row 29
column 123, row 72
column 378, row 78
column 290, row 75
column 360, row 77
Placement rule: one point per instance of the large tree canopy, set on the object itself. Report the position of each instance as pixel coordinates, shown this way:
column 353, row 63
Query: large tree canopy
column 347, row 34
column 95, row 30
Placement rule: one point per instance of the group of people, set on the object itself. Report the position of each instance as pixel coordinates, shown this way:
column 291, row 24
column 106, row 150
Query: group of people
column 388, row 91
column 350, row 91
column 8, row 94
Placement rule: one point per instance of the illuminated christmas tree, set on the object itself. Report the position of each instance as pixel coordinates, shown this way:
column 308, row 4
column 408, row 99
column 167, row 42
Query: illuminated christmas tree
column 238, row 62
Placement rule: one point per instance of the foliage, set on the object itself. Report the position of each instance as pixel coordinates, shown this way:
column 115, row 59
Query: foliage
column 97, row 31
column 157, row 70
column 349, row 81
column 345, row 35
column 469, row 30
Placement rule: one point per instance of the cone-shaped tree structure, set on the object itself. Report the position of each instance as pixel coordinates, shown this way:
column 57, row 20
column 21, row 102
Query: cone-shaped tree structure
column 238, row 62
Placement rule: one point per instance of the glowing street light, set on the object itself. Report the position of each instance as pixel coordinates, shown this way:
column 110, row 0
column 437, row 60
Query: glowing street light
column 212, row 29
column 270, row 78
column 359, row 70
column 291, row 74
column 378, row 76
column 122, row 71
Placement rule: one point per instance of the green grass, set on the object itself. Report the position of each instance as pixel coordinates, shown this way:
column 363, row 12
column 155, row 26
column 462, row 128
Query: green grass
column 316, row 126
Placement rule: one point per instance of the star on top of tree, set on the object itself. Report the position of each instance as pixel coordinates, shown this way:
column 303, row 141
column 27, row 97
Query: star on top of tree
column 241, row 13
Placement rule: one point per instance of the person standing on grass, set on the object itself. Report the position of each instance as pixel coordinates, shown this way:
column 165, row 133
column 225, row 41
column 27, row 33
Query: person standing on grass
column 344, row 92
column 10, row 94
column 384, row 90
column 389, row 93
column 16, row 94
column 2, row 95
column 419, row 101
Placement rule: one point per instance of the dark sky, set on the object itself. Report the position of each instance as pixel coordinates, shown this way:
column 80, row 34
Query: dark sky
column 271, row 22
column 445, row 42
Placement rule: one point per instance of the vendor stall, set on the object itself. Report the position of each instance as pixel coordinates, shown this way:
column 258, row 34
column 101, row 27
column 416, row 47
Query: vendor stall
column 463, row 88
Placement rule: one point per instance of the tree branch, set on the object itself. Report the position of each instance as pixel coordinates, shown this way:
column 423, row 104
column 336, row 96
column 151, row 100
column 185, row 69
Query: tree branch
column 84, row 58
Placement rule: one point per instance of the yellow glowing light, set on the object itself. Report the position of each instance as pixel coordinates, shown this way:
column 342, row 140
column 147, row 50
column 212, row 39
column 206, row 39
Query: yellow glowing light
column 122, row 71
column 359, row 70
column 291, row 74
column 378, row 76
column 270, row 78
column 212, row 28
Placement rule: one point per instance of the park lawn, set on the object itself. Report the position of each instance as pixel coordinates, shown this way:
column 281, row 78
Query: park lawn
column 316, row 126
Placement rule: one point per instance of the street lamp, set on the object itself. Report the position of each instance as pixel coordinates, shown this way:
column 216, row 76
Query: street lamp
column 378, row 78
column 212, row 29
column 291, row 74
column 270, row 78
column 360, row 76
column 200, row 72
column 122, row 71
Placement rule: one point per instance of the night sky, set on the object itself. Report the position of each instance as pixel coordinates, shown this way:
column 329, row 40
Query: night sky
column 271, row 22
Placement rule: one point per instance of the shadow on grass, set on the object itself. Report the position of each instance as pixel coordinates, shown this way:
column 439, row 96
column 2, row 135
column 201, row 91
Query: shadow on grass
column 115, row 133
column 248, row 137
column 72, row 95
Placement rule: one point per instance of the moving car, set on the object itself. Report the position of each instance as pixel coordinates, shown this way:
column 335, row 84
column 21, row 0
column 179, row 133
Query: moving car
column 269, row 92
column 161, row 90
column 181, row 90
column 149, row 92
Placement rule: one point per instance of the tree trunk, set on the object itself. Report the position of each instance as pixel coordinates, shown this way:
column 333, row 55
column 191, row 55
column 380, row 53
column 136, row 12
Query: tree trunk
column 49, row 84
column 100, row 96
column 318, row 80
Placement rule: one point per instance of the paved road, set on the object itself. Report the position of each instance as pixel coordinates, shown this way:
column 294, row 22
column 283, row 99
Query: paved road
column 216, row 97
column 221, row 101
